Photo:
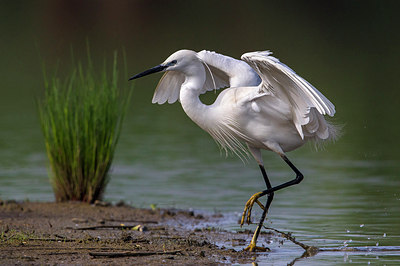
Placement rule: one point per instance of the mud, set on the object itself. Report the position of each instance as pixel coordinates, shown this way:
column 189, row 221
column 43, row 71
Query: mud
column 77, row 233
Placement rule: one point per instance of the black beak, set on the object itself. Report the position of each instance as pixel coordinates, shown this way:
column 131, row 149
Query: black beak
column 150, row 71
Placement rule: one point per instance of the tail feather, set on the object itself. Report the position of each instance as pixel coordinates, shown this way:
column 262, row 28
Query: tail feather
column 335, row 131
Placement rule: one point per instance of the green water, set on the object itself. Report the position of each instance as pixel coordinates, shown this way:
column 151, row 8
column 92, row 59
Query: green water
column 350, row 194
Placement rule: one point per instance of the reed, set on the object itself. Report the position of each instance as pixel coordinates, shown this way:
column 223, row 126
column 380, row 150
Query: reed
column 81, row 118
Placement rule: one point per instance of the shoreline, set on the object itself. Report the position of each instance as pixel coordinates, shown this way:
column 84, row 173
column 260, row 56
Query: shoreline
column 80, row 233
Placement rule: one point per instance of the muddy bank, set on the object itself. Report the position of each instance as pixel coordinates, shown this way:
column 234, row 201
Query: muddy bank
column 76, row 233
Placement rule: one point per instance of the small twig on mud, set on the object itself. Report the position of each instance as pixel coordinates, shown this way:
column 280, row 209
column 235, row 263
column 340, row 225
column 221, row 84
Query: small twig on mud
column 133, row 221
column 60, row 253
column 309, row 250
column 105, row 227
column 132, row 254
column 9, row 237
column 53, row 239
column 127, row 227
column 68, row 248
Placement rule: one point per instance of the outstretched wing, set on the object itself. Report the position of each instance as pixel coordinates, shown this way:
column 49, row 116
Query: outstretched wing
column 168, row 87
column 281, row 81
column 221, row 72
column 225, row 71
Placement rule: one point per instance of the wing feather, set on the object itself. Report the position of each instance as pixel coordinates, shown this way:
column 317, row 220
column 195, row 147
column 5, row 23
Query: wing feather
column 284, row 83
column 168, row 87
column 226, row 71
column 221, row 72
column 215, row 79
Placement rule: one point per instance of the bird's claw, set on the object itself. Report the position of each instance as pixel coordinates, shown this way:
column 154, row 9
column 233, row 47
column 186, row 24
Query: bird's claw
column 252, row 247
column 249, row 206
column 260, row 204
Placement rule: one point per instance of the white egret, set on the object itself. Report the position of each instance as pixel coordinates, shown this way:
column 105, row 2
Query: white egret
column 265, row 106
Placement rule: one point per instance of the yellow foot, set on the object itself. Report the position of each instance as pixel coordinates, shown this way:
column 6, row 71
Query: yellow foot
column 249, row 206
column 252, row 247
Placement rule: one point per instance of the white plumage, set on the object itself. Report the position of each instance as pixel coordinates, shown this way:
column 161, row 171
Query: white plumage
column 221, row 71
column 283, row 83
column 261, row 112
column 265, row 105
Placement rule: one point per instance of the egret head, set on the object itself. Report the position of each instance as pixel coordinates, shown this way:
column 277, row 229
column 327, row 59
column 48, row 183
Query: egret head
column 178, row 61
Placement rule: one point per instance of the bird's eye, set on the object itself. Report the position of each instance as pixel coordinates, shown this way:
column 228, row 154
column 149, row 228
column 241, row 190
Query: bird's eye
column 172, row 63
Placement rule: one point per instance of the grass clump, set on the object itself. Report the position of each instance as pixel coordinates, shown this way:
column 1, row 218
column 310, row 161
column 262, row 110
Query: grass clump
column 81, row 118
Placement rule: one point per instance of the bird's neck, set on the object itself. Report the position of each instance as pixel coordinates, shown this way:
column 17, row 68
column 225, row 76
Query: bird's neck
column 189, row 98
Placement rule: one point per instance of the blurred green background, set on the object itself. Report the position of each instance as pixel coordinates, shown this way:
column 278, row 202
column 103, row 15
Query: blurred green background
column 347, row 49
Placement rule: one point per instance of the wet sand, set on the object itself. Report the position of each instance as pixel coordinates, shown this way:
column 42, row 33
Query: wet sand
column 78, row 233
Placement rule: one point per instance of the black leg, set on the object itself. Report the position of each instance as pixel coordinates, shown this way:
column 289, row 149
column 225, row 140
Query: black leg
column 270, row 195
column 264, row 173
column 298, row 179
column 270, row 192
column 269, row 201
